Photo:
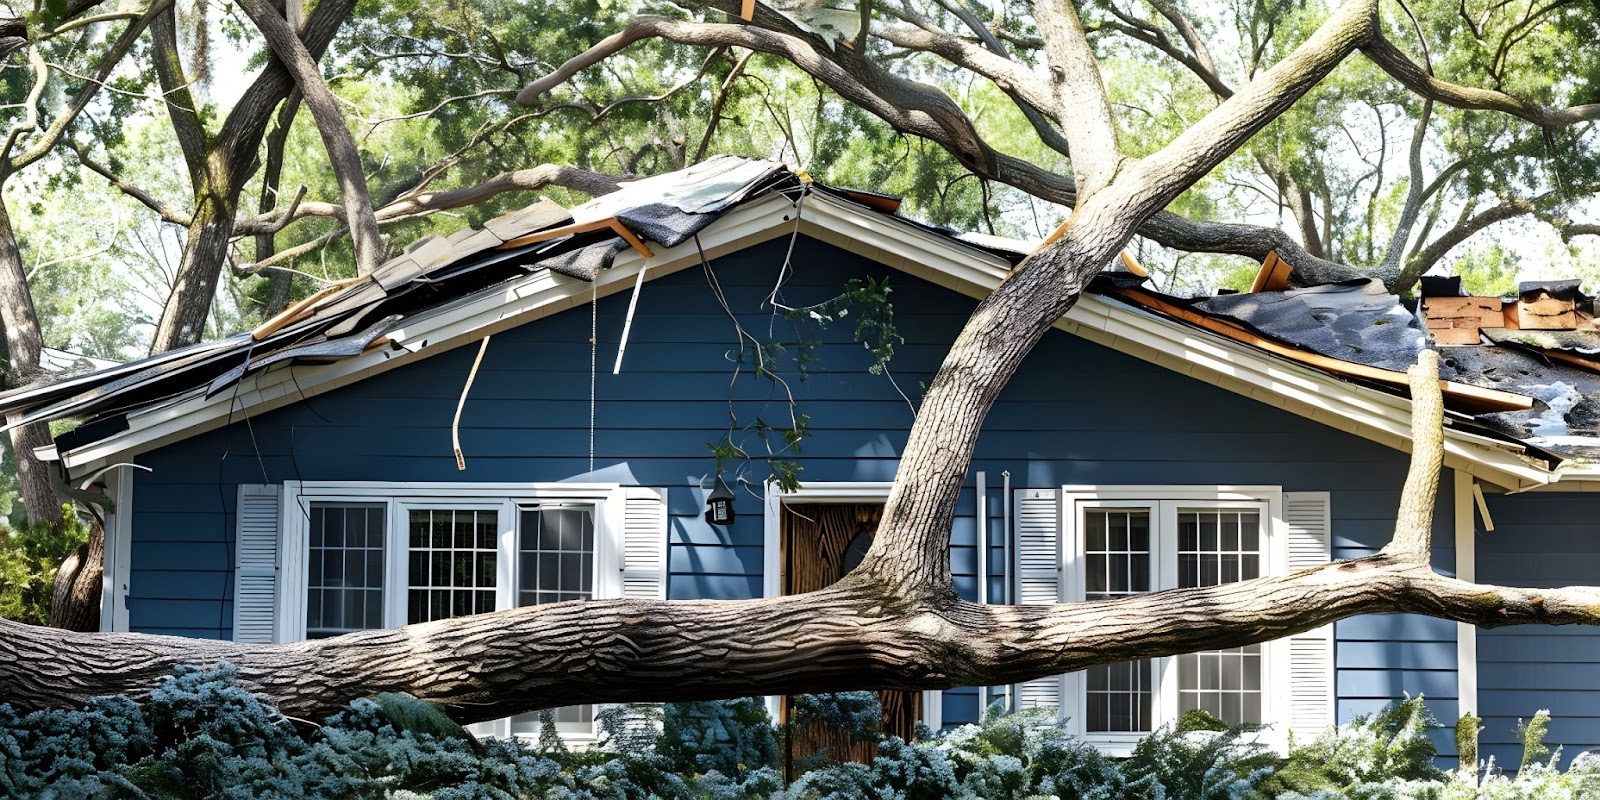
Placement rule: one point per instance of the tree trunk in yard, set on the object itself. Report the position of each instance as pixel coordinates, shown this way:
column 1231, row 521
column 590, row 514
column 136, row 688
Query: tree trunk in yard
column 75, row 603
column 183, row 321
column 23, row 343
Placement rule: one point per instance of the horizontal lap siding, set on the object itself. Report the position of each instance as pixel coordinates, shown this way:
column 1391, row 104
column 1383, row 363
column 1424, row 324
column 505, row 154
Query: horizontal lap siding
column 1078, row 413
column 1541, row 539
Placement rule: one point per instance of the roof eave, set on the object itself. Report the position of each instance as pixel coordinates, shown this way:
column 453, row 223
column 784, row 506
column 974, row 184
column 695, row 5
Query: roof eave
column 1366, row 412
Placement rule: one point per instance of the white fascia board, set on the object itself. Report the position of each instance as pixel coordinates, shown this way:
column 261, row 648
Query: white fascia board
column 451, row 325
column 1369, row 413
column 1374, row 415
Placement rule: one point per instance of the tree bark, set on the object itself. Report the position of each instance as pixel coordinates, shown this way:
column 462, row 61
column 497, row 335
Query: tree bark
column 343, row 155
column 230, row 159
column 183, row 319
column 23, row 344
column 279, row 282
column 75, row 603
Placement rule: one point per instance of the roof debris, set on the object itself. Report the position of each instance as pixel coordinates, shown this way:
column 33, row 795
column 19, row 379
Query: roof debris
column 1536, row 382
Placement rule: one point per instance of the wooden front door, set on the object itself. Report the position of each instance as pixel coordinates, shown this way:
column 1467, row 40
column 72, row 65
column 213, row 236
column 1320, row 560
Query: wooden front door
column 821, row 543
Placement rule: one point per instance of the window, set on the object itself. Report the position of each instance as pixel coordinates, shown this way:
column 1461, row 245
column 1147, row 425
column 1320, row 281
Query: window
column 344, row 568
column 555, row 550
column 1116, row 562
column 1217, row 546
column 372, row 555
column 454, row 562
column 1121, row 542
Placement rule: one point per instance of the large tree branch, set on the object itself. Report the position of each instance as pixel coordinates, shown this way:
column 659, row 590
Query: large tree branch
column 1413, row 526
column 1507, row 209
column 1010, row 76
column 1081, row 103
column 908, row 106
column 1400, row 67
column 846, row 637
column 69, row 113
column 175, row 94
column 343, row 155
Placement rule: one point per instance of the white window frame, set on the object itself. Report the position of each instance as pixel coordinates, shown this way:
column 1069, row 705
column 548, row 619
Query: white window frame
column 1163, row 503
column 508, row 499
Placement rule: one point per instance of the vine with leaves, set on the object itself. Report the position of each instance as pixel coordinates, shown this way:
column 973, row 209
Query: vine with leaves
column 759, row 439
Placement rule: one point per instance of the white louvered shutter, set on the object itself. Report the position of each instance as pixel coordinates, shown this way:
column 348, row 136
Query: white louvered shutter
column 644, row 575
column 1038, row 561
column 1310, row 692
column 644, row 544
column 255, row 582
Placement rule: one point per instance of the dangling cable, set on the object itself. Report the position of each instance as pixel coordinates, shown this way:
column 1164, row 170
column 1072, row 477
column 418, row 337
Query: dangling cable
column 455, row 425
column 594, row 346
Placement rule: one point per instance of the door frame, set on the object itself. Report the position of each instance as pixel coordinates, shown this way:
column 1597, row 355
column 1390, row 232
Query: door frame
column 819, row 492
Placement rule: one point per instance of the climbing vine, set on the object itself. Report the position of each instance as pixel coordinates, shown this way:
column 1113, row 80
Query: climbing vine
column 776, row 440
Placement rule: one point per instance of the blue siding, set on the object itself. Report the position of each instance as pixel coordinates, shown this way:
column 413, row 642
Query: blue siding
column 1544, row 540
column 1077, row 413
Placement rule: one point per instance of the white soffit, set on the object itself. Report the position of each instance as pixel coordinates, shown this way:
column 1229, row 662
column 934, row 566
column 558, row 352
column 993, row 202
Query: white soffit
column 1369, row 413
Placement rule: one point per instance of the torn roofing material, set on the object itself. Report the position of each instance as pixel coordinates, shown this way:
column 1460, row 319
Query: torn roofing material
column 1458, row 397
column 1357, row 321
column 1355, row 332
column 351, row 318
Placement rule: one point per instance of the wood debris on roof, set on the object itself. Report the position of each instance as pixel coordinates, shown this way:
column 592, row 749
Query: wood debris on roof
column 1273, row 275
column 353, row 317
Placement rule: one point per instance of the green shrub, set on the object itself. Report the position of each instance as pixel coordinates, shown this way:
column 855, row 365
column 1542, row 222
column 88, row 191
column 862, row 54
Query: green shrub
column 199, row 735
column 29, row 556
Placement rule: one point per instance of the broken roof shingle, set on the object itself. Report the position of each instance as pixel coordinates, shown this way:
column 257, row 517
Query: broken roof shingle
column 349, row 319
column 1353, row 321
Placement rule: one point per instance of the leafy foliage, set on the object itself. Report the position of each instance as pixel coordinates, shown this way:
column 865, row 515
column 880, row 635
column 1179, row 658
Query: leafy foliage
column 29, row 557
column 200, row 735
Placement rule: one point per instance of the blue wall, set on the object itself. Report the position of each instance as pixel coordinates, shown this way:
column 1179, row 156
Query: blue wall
column 1078, row 413
column 1540, row 539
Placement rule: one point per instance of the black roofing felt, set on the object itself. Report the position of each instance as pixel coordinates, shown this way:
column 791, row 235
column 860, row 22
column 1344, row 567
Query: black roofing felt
column 1354, row 321
column 1566, row 290
column 1357, row 321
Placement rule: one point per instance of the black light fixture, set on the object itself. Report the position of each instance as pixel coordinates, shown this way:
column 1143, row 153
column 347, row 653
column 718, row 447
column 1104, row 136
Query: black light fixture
column 719, row 506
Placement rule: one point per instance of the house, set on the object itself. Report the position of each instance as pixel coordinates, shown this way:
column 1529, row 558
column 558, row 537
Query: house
column 523, row 413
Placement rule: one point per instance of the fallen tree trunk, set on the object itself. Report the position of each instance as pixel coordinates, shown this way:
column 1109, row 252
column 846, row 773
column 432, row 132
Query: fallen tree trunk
column 846, row 637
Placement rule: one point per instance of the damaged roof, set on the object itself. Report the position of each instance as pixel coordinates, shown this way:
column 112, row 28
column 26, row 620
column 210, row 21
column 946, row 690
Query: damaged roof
column 1536, row 390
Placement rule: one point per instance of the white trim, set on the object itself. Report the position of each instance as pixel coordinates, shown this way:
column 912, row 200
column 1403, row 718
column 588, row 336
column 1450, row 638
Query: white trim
column 1366, row 412
column 1163, row 502
column 608, row 500
column 1467, row 570
column 118, row 552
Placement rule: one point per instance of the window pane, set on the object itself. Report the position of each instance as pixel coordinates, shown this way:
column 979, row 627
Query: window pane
column 555, row 560
column 1116, row 562
column 1226, row 547
column 451, row 574
column 344, row 568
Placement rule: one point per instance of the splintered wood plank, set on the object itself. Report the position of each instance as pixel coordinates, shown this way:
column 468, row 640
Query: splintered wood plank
column 1273, row 275
column 1546, row 313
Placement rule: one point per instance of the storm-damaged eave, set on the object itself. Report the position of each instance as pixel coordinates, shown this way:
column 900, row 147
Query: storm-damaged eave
column 763, row 208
